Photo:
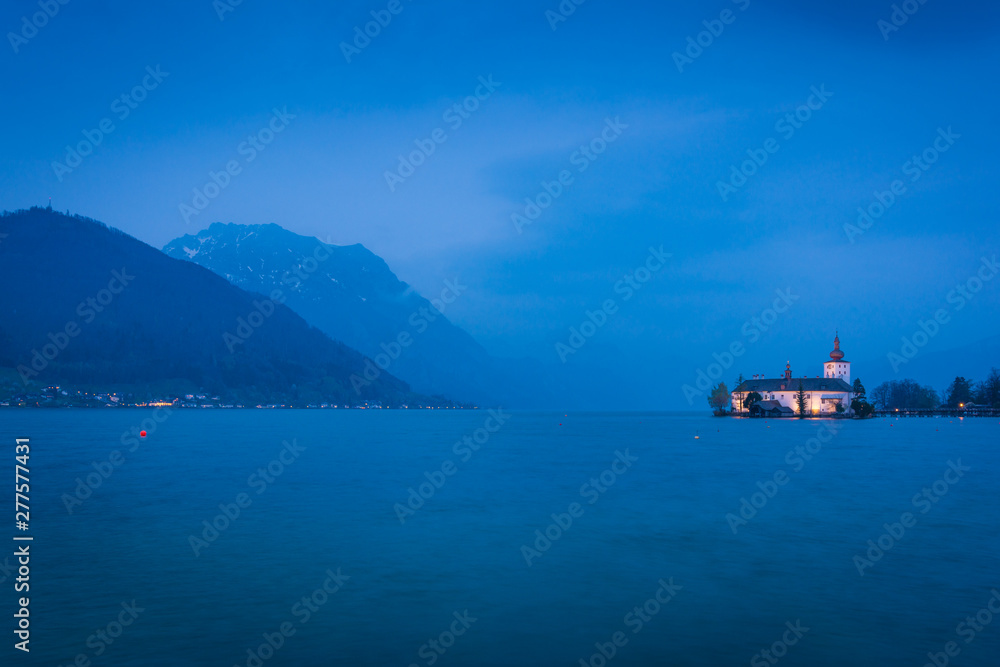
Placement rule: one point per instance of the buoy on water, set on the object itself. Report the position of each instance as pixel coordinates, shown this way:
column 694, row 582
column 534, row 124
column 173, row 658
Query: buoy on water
column 142, row 434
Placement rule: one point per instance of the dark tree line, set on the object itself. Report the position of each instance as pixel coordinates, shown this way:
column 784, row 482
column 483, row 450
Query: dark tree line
column 904, row 395
column 963, row 391
column 909, row 395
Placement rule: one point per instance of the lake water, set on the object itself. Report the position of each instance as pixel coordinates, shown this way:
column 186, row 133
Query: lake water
column 452, row 585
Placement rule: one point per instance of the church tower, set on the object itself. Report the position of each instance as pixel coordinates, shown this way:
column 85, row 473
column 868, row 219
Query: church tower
column 837, row 366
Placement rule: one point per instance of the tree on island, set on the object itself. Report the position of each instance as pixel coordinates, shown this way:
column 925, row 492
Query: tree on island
column 800, row 398
column 739, row 394
column 862, row 409
column 959, row 392
column 860, row 406
column 751, row 398
column 858, row 389
column 719, row 398
column 988, row 391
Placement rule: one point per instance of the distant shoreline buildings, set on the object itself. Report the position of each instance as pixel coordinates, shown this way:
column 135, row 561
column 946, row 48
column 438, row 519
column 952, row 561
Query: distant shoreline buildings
column 55, row 396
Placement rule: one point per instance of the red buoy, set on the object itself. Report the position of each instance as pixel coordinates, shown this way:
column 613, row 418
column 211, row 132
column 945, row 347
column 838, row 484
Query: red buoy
column 142, row 434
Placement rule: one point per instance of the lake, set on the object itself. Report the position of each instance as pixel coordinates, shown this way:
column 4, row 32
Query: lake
column 372, row 537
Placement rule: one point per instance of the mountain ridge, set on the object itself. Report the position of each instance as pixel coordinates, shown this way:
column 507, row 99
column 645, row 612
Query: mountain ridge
column 352, row 295
column 159, row 319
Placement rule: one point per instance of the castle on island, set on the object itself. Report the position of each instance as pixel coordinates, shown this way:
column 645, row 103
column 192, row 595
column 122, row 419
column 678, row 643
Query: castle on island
column 779, row 396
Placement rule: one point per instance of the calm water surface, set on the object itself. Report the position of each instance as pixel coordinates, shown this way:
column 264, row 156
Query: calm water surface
column 331, row 507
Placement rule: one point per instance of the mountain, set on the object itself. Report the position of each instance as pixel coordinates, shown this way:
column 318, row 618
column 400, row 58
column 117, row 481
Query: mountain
column 351, row 295
column 90, row 305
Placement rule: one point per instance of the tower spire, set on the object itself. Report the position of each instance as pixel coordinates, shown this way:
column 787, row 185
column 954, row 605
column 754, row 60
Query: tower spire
column 836, row 355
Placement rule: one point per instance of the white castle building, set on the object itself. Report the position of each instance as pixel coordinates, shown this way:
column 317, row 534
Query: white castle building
column 779, row 396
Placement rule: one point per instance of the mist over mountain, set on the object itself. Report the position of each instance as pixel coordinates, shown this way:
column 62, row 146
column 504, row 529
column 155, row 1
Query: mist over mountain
column 95, row 306
column 352, row 295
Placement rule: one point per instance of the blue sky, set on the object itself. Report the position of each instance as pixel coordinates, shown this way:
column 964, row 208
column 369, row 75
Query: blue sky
column 656, row 184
